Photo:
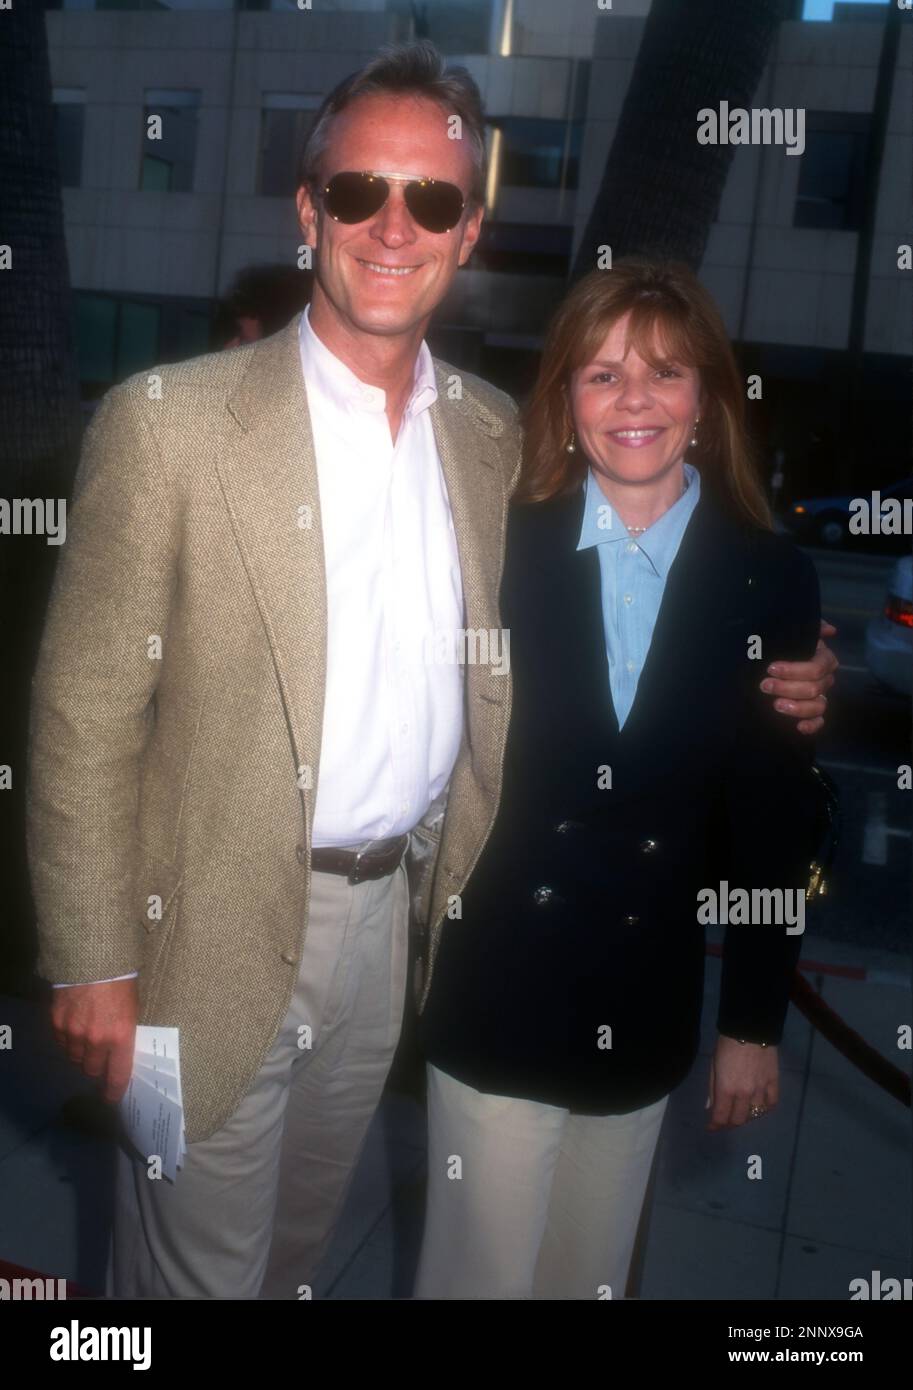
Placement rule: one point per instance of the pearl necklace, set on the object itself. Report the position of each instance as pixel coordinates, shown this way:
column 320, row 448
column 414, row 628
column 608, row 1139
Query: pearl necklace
column 639, row 530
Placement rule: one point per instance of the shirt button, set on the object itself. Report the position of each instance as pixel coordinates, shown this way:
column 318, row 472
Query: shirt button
column 404, row 805
column 301, row 854
column 288, row 957
column 648, row 846
column 542, row 895
column 629, row 598
column 630, row 666
column 630, row 921
column 630, row 547
column 404, row 728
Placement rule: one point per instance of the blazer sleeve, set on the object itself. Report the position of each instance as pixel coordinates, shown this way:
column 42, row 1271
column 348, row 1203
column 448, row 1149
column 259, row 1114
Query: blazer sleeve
column 91, row 693
column 771, row 801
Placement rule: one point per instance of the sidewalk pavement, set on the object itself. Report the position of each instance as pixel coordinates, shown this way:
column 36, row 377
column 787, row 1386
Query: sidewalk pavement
column 833, row 1202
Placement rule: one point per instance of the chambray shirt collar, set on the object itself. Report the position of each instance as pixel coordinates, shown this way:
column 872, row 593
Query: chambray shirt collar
column 339, row 385
column 659, row 543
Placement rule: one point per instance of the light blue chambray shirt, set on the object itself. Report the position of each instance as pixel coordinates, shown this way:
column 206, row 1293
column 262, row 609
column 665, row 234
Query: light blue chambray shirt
column 633, row 571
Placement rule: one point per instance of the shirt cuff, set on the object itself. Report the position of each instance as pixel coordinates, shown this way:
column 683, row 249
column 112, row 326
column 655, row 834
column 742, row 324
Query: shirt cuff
column 68, row 984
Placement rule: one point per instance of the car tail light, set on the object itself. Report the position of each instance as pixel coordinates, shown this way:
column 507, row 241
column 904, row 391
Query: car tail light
column 899, row 610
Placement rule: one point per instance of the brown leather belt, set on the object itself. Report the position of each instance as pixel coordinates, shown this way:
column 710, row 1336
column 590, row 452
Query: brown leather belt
column 376, row 859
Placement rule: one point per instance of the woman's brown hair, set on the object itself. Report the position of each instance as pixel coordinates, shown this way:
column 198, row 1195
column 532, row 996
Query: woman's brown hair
column 670, row 312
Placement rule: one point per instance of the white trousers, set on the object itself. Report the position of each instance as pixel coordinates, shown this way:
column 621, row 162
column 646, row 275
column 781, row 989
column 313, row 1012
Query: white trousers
column 527, row 1200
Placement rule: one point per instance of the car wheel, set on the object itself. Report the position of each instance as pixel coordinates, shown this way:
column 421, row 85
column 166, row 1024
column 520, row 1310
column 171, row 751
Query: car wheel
column 831, row 530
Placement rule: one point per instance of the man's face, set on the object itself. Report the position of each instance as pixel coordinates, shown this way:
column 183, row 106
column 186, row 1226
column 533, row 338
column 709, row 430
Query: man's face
column 398, row 135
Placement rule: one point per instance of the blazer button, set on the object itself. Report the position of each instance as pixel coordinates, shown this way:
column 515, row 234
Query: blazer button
column 301, row 854
column 288, row 957
column 648, row 846
column 542, row 895
column 631, row 920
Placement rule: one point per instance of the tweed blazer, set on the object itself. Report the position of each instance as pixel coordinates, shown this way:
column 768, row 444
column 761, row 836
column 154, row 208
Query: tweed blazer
column 178, row 698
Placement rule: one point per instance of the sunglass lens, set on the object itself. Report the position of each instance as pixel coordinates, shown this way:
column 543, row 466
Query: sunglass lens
column 435, row 206
column 352, row 198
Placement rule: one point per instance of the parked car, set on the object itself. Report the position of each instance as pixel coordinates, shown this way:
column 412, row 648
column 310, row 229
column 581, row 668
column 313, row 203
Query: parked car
column 826, row 520
column 889, row 637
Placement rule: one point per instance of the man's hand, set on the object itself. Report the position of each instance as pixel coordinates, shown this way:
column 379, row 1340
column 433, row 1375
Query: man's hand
column 96, row 1027
column 800, row 685
column 742, row 1075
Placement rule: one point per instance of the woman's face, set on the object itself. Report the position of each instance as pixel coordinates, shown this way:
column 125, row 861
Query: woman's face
column 633, row 421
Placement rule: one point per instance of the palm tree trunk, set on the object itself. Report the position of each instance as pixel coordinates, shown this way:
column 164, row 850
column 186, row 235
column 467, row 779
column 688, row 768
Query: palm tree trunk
column 661, row 189
column 39, row 397
column 39, row 421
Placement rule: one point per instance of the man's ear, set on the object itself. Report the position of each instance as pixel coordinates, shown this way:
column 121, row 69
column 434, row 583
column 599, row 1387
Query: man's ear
column 471, row 234
column 307, row 215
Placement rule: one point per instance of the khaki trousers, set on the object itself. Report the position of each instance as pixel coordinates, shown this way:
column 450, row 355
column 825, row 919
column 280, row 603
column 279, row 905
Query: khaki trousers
column 254, row 1206
column 527, row 1201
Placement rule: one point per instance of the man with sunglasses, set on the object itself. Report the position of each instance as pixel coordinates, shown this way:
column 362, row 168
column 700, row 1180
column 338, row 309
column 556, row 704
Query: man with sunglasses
column 238, row 722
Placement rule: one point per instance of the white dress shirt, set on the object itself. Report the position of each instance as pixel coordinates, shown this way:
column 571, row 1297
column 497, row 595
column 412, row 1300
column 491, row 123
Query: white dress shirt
column 393, row 710
column 393, row 713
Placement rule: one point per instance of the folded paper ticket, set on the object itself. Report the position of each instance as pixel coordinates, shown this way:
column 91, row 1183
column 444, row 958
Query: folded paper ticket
column 153, row 1108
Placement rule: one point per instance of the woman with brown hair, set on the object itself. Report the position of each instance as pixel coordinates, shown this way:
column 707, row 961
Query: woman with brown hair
column 645, row 781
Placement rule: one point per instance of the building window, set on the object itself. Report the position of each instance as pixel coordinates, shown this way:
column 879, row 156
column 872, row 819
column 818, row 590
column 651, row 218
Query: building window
column 539, row 154
column 138, row 337
column 169, row 140
column 525, row 248
column 831, row 176
column 69, row 123
column 460, row 26
column 285, row 120
column 96, row 335
column 119, row 335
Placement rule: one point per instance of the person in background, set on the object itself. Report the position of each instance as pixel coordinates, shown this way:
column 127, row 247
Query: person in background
column 262, row 299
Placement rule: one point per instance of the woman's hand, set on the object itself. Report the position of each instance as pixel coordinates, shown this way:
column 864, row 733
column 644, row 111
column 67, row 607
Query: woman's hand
column 800, row 685
column 742, row 1076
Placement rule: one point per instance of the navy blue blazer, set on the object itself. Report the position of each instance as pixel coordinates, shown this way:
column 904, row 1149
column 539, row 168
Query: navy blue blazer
column 574, row 975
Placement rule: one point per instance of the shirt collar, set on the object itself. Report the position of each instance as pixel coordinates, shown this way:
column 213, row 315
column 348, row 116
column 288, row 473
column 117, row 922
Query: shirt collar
column 659, row 543
column 339, row 384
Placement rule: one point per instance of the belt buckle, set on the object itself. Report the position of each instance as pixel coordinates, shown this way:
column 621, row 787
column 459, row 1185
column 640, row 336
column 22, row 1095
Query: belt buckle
column 354, row 875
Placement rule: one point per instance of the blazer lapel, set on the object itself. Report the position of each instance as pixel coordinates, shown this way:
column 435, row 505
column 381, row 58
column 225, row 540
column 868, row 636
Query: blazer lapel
column 465, row 434
column 702, row 598
column 269, row 479
column 580, row 630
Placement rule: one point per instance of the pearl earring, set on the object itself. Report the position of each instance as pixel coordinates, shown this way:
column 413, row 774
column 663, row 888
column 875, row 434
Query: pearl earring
column 694, row 433
column 570, row 447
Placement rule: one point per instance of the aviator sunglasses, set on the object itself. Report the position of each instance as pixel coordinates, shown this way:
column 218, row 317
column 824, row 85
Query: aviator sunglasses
column 354, row 197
